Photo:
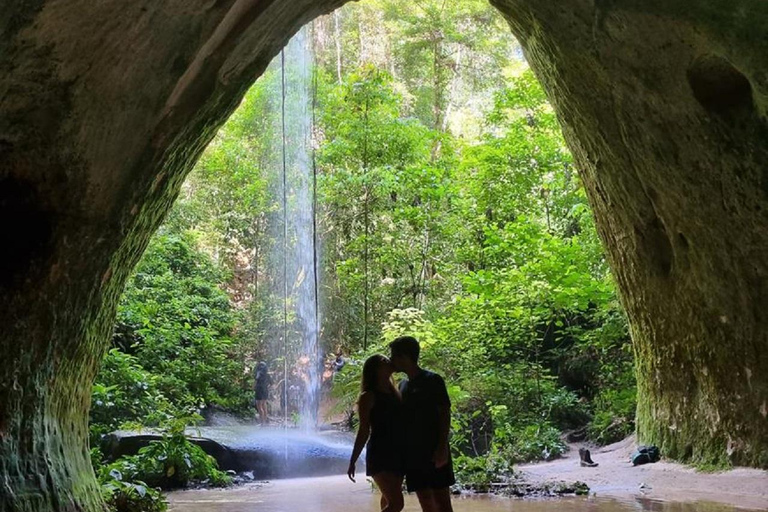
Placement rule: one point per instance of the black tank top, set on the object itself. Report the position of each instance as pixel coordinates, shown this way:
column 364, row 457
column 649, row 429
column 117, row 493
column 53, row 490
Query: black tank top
column 384, row 451
column 386, row 421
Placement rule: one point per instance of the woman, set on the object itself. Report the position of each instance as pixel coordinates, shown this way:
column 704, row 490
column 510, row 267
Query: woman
column 263, row 381
column 379, row 409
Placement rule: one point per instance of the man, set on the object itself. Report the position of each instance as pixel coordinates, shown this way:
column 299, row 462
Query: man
column 427, row 421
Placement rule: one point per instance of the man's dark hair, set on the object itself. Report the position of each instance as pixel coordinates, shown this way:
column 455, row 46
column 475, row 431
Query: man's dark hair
column 406, row 346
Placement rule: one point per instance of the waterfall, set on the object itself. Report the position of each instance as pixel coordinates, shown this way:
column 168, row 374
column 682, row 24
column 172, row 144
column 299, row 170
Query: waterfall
column 294, row 259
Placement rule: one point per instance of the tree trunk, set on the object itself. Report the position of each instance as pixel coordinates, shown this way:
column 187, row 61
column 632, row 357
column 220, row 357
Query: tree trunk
column 664, row 106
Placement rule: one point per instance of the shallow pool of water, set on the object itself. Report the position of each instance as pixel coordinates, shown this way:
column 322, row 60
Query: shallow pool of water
column 337, row 494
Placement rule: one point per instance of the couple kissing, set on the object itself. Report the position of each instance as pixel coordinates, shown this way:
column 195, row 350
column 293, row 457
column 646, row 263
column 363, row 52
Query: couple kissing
column 406, row 430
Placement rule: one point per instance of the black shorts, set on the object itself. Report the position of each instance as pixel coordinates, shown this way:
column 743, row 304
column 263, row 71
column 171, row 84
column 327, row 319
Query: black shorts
column 379, row 461
column 262, row 394
column 422, row 474
column 383, row 454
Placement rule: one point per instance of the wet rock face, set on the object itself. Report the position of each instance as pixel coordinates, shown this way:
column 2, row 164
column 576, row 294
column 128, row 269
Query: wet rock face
column 106, row 105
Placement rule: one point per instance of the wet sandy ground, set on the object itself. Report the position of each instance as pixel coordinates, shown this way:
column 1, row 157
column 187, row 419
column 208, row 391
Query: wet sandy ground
column 337, row 494
column 615, row 476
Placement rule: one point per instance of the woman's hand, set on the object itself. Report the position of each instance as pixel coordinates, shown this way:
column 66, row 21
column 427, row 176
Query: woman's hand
column 364, row 406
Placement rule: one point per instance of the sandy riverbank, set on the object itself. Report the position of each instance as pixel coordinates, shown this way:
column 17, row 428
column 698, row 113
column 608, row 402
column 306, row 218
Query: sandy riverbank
column 615, row 476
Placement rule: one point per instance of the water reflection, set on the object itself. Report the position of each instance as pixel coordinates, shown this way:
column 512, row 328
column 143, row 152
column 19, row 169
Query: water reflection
column 335, row 494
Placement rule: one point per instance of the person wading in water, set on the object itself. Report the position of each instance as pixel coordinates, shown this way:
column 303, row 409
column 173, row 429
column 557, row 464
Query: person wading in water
column 426, row 422
column 380, row 426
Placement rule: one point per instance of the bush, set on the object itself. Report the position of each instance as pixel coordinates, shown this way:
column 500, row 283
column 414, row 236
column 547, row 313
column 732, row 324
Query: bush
column 125, row 392
column 565, row 410
column 534, row 442
column 171, row 463
column 124, row 496
column 177, row 322
column 519, row 442
column 614, row 417
column 478, row 473
column 173, row 354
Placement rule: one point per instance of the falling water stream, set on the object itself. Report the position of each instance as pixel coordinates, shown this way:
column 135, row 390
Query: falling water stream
column 291, row 333
column 298, row 251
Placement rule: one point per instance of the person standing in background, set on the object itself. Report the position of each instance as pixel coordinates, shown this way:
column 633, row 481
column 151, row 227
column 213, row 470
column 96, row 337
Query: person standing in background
column 263, row 383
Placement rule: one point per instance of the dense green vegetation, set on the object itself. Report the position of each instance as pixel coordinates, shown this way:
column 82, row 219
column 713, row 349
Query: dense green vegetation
column 173, row 354
column 449, row 209
column 173, row 357
column 132, row 483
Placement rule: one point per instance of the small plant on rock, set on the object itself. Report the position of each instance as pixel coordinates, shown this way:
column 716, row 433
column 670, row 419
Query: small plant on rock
column 130, row 496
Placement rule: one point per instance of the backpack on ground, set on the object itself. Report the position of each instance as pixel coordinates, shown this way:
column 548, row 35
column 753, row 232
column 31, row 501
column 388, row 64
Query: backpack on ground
column 645, row 454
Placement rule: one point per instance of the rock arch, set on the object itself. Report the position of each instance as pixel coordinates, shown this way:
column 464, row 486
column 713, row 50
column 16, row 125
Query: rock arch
column 105, row 106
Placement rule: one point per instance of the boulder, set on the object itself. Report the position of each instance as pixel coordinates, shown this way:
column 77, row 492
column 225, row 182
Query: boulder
column 122, row 443
column 266, row 454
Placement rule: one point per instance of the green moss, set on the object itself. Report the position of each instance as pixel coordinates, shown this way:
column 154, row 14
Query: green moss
column 712, row 468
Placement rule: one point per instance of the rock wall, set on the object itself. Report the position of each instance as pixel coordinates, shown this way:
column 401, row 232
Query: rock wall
column 106, row 105
column 664, row 106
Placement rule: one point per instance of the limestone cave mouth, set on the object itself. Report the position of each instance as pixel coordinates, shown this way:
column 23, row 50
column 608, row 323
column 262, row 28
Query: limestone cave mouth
column 405, row 172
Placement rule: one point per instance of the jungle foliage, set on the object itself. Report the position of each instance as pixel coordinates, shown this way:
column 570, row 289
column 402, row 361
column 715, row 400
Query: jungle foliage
column 133, row 483
column 449, row 209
